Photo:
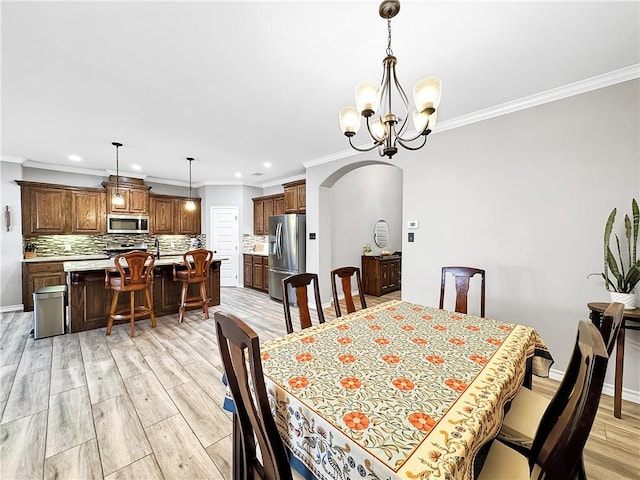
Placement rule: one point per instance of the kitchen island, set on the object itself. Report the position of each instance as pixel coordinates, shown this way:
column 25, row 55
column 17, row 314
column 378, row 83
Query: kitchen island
column 89, row 300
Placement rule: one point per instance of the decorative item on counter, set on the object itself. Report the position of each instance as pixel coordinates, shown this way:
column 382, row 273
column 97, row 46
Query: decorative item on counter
column 385, row 252
column 30, row 250
column 366, row 250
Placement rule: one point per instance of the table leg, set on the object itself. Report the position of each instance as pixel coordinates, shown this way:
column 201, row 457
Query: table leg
column 617, row 396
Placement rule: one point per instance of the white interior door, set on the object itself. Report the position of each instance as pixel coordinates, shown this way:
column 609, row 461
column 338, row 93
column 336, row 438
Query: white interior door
column 224, row 241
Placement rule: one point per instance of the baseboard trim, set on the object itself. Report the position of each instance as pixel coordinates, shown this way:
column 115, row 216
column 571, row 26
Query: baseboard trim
column 12, row 308
column 608, row 388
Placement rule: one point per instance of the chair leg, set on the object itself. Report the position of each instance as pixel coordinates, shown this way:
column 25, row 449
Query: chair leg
column 183, row 300
column 112, row 311
column 205, row 303
column 132, row 307
column 147, row 295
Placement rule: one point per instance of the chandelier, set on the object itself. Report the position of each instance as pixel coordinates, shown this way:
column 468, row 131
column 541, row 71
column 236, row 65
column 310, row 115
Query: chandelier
column 117, row 198
column 373, row 102
column 190, row 205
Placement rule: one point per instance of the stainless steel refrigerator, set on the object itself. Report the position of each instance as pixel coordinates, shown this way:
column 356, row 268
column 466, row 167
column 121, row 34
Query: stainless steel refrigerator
column 287, row 249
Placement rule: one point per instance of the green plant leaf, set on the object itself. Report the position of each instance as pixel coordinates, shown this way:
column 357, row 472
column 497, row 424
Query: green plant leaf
column 636, row 223
column 607, row 237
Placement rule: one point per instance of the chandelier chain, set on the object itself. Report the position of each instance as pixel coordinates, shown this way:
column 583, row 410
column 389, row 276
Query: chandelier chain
column 389, row 51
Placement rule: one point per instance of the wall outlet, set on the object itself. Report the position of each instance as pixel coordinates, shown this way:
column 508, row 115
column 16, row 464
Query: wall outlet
column 67, row 246
column 173, row 245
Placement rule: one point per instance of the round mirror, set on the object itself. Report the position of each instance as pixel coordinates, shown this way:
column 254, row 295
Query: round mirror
column 381, row 233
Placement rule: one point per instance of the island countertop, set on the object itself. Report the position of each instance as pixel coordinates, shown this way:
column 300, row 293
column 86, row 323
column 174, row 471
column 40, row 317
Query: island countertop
column 89, row 265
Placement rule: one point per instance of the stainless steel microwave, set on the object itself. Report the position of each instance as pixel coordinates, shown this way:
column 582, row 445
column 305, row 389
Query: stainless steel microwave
column 127, row 224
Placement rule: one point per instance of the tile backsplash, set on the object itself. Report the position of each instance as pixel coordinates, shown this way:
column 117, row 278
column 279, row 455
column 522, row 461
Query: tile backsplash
column 71, row 245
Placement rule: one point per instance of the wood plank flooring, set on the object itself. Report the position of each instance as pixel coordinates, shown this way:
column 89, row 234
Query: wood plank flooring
column 87, row 406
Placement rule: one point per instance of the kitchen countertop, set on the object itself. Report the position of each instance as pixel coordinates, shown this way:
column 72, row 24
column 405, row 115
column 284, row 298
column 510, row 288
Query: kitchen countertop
column 66, row 258
column 251, row 252
column 75, row 266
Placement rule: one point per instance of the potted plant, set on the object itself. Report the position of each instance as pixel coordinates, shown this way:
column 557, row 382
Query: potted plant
column 622, row 273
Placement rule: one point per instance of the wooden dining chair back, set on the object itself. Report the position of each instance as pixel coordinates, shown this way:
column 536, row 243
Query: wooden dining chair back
column 298, row 283
column 194, row 270
column 345, row 274
column 462, row 276
column 239, row 349
column 131, row 272
column 566, row 424
column 611, row 323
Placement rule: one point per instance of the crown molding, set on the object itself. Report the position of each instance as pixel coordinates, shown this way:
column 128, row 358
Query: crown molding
column 583, row 86
column 594, row 83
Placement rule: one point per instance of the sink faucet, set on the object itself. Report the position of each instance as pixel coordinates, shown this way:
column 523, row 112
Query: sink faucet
column 157, row 245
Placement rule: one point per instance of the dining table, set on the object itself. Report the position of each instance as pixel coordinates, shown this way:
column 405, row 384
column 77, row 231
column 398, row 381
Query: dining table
column 397, row 391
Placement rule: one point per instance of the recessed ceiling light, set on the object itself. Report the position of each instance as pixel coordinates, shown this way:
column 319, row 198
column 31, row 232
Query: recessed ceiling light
column 267, row 164
column 135, row 166
column 238, row 174
column 75, row 158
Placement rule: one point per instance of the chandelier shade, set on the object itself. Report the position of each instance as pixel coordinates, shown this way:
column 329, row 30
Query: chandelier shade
column 117, row 199
column 386, row 127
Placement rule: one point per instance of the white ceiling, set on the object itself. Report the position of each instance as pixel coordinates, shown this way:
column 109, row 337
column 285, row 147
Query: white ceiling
column 236, row 84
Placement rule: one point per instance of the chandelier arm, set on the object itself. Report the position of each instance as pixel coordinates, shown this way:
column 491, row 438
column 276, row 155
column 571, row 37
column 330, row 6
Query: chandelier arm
column 408, row 147
column 373, row 138
column 405, row 101
column 362, row 149
column 423, row 133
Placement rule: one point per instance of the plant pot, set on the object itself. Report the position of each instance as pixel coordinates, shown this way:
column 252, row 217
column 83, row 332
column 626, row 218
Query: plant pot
column 628, row 299
column 29, row 254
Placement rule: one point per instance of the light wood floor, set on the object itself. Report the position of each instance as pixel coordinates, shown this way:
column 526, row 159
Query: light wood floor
column 86, row 406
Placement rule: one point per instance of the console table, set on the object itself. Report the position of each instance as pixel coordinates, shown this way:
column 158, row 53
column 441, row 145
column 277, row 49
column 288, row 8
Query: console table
column 630, row 321
column 381, row 274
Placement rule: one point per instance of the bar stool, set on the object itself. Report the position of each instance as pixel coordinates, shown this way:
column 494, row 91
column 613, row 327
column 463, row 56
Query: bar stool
column 133, row 273
column 196, row 270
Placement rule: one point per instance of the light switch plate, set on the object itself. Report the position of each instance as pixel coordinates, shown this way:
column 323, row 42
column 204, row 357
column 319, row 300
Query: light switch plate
column 412, row 224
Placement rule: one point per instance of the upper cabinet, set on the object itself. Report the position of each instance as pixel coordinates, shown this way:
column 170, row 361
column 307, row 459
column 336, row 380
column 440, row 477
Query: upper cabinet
column 49, row 209
column 263, row 208
column 134, row 192
column 88, row 212
column 190, row 222
column 169, row 216
column 295, row 197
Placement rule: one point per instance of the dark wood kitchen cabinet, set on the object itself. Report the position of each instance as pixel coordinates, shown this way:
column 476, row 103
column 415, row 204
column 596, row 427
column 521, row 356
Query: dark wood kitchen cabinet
column 134, row 192
column 89, row 300
column 381, row 275
column 50, row 209
column 169, row 216
column 295, row 197
column 88, row 209
column 163, row 214
column 36, row 275
column 263, row 208
column 256, row 272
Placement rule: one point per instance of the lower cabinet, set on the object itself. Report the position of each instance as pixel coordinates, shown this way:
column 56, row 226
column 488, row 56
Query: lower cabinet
column 381, row 275
column 256, row 272
column 36, row 275
column 90, row 301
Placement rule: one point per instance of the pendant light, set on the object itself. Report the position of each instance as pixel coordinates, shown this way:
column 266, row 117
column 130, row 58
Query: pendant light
column 117, row 199
column 190, row 205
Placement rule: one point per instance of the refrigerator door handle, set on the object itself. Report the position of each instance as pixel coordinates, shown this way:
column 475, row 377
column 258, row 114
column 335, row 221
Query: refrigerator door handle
column 279, row 239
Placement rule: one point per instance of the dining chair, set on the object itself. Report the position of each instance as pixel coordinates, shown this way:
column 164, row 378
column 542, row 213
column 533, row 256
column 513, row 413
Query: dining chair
column 299, row 284
column 345, row 274
column 132, row 272
column 253, row 423
column 193, row 270
column 556, row 452
column 462, row 276
column 527, row 409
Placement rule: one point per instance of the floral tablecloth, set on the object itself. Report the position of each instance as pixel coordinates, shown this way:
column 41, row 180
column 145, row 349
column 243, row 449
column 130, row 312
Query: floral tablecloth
column 397, row 391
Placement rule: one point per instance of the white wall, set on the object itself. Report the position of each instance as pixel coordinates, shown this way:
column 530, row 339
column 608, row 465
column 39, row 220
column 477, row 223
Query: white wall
column 358, row 200
column 524, row 196
column 11, row 241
